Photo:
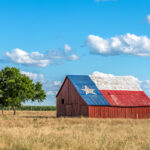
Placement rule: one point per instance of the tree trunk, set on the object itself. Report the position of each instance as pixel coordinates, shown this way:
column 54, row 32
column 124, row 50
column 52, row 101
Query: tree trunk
column 2, row 110
column 14, row 107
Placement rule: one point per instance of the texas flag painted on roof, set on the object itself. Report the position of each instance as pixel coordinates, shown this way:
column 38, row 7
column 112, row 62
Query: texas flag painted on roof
column 109, row 90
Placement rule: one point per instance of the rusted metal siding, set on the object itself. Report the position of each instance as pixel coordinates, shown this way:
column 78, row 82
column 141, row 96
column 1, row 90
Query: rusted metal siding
column 73, row 105
column 118, row 112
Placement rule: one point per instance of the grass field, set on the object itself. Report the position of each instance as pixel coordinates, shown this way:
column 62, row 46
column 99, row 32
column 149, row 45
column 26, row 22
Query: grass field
column 41, row 130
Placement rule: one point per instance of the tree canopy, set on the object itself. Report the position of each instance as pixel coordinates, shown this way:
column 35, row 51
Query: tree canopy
column 17, row 88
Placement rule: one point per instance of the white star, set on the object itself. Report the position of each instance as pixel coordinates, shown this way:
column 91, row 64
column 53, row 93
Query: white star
column 88, row 90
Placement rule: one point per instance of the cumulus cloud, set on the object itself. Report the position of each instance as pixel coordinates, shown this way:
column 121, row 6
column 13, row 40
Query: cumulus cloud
column 51, row 93
column 41, row 60
column 73, row 57
column 62, row 55
column 67, row 48
column 148, row 18
column 51, row 87
column 57, row 83
column 128, row 44
column 146, row 86
column 100, row 74
column 34, row 76
column 22, row 57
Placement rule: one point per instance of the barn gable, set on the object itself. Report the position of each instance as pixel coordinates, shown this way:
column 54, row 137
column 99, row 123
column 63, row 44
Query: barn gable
column 82, row 81
column 69, row 102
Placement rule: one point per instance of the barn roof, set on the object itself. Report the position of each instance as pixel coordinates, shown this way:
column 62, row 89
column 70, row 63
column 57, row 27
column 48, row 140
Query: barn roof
column 80, row 82
column 109, row 91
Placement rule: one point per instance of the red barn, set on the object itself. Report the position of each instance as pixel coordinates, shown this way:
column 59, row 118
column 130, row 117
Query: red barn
column 103, row 97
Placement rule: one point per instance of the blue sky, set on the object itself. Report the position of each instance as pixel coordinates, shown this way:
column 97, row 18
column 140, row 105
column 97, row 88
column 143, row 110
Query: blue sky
column 48, row 39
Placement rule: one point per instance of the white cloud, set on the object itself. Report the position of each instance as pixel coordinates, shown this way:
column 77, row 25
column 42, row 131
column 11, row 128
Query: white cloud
column 51, row 93
column 63, row 55
column 128, row 44
column 41, row 60
column 51, row 87
column 73, row 57
column 146, row 86
column 30, row 75
column 34, row 76
column 22, row 57
column 41, row 77
column 67, row 48
column 57, row 83
column 100, row 74
column 148, row 18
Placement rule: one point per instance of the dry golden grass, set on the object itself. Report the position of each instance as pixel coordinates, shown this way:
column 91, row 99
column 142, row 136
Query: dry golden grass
column 43, row 131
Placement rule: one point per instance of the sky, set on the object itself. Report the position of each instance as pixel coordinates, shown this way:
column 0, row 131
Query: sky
column 49, row 39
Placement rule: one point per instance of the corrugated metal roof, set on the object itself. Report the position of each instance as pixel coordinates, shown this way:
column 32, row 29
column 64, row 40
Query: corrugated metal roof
column 85, row 87
column 126, row 98
column 92, row 95
column 116, row 83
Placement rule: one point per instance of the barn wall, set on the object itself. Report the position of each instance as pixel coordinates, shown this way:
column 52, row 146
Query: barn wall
column 118, row 112
column 79, row 107
column 73, row 105
column 63, row 94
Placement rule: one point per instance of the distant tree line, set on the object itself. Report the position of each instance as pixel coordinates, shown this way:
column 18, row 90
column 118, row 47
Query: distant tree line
column 32, row 108
column 17, row 88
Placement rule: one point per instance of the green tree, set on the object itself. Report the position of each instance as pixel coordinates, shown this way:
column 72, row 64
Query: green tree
column 18, row 88
column 39, row 94
column 3, row 102
column 3, row 87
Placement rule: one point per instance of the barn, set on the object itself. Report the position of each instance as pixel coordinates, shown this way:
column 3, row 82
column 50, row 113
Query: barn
column 102, row 97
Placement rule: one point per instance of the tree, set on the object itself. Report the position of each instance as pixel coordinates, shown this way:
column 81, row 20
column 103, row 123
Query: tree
column 3, row 101
column 39, row 93
column 19, row 88
column 3, row 98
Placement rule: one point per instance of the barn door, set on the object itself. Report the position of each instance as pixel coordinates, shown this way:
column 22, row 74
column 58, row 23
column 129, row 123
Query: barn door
column 68, row 110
